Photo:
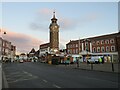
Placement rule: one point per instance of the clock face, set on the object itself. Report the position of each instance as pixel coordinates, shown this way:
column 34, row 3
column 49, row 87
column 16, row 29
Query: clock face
column 55, row 26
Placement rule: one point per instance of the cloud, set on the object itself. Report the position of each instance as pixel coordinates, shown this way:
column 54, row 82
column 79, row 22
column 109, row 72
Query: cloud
column 72, row 23
column 44, row 15
column 24, row 43
column 42, row 20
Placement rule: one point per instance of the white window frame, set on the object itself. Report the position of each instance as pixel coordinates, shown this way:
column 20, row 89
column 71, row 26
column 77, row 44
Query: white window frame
column 94, row 50
column 106, row 42
column 107, row 50
column 102, row 49
column 98, row 48
column 98, row 42
column 76, row 45
column 102, row 41
column 112, row 40
column 111, row 48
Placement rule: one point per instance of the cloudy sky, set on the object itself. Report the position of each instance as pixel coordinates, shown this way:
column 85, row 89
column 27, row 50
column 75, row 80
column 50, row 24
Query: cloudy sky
column 27, row 23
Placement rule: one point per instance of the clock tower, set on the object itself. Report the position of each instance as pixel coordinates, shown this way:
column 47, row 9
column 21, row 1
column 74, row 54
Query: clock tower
column 54, row 34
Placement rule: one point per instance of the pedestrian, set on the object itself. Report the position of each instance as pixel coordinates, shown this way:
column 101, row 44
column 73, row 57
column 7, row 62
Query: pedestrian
column 100, row 60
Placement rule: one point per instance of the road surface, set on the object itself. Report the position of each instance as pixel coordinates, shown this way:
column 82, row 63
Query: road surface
column 40, row 75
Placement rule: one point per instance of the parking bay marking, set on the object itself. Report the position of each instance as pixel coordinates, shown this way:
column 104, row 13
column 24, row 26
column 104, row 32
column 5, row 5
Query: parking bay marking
column 56, row 86
column 45, row 80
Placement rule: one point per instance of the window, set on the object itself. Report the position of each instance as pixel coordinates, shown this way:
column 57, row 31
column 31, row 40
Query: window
column 76, row 45
column 94, row 49
column 98, row 49
column 112, row 41
column 102, row 41
column 107, row 48
column 107, row 41
column 98, row 42
column 103, row 49
column 71, row 46
column 112, row 48
column 76, row 50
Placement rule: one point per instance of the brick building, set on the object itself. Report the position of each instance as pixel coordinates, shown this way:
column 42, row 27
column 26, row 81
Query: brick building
column 99, row 45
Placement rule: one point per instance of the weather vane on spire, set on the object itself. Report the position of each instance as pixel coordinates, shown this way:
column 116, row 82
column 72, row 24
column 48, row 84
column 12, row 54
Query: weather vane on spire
column 54, row 13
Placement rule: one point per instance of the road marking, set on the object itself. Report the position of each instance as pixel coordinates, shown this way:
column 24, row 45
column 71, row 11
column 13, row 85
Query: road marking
column 45, row 81
column 28, row 73
column 56, row 86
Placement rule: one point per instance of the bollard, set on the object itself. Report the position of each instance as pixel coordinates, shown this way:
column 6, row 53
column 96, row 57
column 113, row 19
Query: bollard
column 112, row 64
column 112, row 67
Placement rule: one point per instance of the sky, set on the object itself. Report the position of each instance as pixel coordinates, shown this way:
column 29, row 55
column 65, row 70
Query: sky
column 27, row 23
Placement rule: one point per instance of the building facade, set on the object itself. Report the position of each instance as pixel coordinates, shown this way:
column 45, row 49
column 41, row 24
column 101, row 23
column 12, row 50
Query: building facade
column 43, row 49
column 7, row 50
column 54, row 34
column 13, row 53
column 0, row 48
column 99, row 45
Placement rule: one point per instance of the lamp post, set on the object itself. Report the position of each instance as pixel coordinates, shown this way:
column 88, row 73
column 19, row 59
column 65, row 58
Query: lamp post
column 77, row 58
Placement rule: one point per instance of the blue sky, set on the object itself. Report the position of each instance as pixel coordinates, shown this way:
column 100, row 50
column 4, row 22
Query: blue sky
column 76, row 20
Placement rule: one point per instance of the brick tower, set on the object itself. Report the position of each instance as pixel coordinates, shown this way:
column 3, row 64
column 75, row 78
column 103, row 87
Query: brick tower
column 54, row 35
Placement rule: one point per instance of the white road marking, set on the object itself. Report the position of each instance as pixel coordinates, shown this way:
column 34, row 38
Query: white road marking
column 45, row 81
column 21, row 77
column 28, row 73
column 56, row 86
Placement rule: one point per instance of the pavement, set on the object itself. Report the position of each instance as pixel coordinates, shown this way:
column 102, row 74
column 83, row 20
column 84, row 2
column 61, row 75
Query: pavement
column 106, row 67
column 3, row 81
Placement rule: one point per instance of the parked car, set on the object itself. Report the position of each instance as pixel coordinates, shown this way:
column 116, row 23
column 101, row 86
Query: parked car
column 90, row 61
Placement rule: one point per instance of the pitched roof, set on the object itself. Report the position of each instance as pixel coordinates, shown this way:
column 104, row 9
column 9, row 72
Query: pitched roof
column 32, row 51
